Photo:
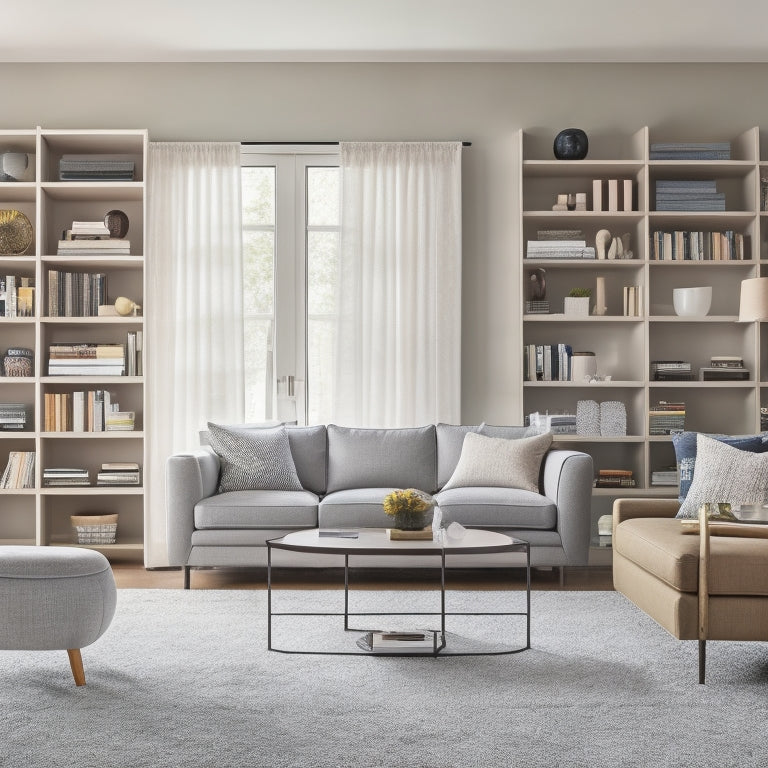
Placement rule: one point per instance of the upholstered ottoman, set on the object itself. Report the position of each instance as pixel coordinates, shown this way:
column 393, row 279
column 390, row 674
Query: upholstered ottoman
column 54, row 598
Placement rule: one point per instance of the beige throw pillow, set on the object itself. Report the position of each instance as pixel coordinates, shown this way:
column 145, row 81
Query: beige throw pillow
column 495, row 461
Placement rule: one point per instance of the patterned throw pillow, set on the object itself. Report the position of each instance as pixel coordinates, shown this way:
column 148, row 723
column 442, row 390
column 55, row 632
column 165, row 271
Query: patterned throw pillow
column 685, row 453
column 498, row 462
column 254, row 459
column 725, row 474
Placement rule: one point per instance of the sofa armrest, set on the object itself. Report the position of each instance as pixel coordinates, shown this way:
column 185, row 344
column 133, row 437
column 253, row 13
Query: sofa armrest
column 189, row 477
column 568, row 482
column 626, row 509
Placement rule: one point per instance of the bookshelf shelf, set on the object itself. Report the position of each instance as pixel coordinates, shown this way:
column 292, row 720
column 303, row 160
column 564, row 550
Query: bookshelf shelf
column 40, row 515
column 624, row 347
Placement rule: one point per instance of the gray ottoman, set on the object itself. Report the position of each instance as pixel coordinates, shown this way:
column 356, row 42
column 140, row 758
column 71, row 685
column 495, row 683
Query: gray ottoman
column 54, row 598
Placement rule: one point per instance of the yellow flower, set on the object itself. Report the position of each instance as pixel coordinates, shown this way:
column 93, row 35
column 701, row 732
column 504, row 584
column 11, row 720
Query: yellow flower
column 408, row 500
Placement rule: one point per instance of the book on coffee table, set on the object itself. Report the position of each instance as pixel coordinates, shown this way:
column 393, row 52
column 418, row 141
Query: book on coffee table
column 397, row 534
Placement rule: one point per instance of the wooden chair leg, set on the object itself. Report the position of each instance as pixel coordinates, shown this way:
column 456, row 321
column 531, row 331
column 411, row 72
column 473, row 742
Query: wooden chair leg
column 76, row 662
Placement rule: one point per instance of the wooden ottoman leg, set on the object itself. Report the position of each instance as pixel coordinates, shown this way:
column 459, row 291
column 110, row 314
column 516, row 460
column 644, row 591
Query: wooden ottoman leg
column 76, row 662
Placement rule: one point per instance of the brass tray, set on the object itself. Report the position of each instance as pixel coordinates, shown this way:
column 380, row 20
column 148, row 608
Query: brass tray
column 15, row 232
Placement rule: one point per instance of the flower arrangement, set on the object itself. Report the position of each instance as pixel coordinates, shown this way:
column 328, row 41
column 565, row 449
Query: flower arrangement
column 408, row 507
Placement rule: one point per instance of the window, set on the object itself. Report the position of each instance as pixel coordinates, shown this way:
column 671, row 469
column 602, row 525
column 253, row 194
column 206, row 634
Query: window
column 291, row 217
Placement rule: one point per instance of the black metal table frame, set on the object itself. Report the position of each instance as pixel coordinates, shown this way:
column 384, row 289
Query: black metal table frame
column 516, row 545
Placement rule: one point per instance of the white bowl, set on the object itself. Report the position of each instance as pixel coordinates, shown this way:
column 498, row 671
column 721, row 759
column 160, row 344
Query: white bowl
column 692, row 302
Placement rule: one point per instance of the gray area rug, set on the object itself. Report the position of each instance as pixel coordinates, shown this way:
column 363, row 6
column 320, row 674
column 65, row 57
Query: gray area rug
column 184, row 679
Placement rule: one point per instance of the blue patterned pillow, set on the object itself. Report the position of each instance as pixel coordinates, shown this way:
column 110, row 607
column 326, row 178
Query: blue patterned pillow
column 685, row 452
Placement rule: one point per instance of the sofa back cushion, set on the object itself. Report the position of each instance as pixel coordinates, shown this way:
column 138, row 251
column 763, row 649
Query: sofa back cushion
column 382, row 458
column 450, row 439
column 308, row 448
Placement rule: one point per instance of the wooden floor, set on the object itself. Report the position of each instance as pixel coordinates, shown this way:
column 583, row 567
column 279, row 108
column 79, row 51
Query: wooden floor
column 129, row 575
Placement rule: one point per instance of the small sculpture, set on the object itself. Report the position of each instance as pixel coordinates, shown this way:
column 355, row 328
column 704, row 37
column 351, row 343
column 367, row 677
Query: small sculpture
column 625, row 244
column 125, row 306
column 538, row 284
column 602, row 241
column 571, row 144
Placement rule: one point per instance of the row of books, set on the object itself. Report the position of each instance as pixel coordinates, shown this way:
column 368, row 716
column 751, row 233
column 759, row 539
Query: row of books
column 688, row 195
column 17, row 296
column 19, row 471
column 632, row 296
column 95, row 168
column 86, row 359
column 85, row 411
column 667, row 476
column 690, row 150
column 13, row 417
column 75, row 294
column 112, row 474
column 547, row 362
column 559, row 249
column 557, row 423
column 615, row 478
column 612, row 187
column 697, row 246
column 666, row 418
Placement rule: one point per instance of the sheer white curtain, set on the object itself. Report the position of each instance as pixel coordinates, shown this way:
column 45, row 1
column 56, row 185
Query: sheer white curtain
column 194, row 306
column 398, row 339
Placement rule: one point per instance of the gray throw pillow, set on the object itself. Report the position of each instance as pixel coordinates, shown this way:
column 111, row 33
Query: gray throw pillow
column 725, row 474
column 498, row 462
column 254, row 460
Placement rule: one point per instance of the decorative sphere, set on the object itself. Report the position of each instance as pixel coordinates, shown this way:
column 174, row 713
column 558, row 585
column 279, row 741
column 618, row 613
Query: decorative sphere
column 124, row 306
column 571, row 144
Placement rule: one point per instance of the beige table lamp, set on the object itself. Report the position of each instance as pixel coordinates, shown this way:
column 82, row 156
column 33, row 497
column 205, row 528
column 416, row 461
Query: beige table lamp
column 753, row 304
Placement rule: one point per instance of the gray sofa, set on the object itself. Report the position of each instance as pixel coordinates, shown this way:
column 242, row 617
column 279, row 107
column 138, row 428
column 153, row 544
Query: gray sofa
column 345, row 473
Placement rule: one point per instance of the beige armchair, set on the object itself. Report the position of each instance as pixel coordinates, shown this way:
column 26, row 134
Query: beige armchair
column 696, row 587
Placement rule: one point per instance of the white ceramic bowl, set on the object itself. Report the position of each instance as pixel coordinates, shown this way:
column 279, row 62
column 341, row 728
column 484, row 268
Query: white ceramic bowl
column 692, row 302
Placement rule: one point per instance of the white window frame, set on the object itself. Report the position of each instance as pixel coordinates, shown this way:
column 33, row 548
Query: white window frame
column 289, row 336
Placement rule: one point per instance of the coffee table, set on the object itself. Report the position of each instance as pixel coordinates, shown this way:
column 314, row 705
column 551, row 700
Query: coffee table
column 375, row 542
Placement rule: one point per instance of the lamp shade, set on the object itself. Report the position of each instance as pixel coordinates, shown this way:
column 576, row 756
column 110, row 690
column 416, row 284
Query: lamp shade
column 753, row 304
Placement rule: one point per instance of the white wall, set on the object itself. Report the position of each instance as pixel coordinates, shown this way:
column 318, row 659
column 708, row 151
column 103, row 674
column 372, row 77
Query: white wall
column 484, row 104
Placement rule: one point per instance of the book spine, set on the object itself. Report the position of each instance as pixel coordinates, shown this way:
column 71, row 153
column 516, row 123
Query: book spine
column 597, row 194
column 627, row 197
column 613, row 194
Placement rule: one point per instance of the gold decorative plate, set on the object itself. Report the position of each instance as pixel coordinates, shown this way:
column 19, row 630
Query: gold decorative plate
column 15, row 232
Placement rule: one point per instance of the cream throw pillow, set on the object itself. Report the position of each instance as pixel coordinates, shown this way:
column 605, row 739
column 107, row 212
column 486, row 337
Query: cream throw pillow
column 495, row 461
column 725, row 474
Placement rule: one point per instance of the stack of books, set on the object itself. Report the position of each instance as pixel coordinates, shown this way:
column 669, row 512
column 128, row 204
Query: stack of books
column 86, row 359
column 17, row 296
column 688, row 195
column 95, row 168
column 20, row 470
column 116, row 473
column 666, row 418
column 724, row 368
column 399, row 642
column 82, row 411
column 666, row 476
column 90, row 238
column 13, row 417
column 538, row 307
column 615, row 478
column 691, row 150
column 557, row 423
column 119, row 421
column 65, row 477
column 671, row 370
column 682, row 245
column 75, row 294
column 559, row 249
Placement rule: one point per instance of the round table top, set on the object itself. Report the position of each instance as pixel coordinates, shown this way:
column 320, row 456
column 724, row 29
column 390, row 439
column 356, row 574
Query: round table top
column 375, row 541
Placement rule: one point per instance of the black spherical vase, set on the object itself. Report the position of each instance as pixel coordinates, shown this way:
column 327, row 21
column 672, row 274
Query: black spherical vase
column 571, row 144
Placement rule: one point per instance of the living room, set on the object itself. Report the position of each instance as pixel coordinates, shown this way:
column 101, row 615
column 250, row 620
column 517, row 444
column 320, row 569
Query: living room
column 175, row 676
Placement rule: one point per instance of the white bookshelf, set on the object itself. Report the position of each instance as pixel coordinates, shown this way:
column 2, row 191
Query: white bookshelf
column 625, row 346
column 40, row 515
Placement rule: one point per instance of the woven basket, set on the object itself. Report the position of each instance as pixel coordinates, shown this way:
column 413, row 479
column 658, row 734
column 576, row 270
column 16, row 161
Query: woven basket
column 95, row 529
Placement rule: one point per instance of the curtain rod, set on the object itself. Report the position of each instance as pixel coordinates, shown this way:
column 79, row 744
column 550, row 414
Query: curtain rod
column 311, row 143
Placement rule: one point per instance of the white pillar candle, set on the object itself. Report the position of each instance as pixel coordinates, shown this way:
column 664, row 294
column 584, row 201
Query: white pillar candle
column 600, row 308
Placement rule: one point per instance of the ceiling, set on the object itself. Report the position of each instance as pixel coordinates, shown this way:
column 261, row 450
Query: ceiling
column 385, row 30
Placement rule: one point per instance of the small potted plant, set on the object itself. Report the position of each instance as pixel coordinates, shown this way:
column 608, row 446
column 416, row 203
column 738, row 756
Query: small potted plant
column 577, row 302
column 409, row 508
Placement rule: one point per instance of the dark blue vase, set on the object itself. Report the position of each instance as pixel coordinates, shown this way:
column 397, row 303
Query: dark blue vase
column 571, row 144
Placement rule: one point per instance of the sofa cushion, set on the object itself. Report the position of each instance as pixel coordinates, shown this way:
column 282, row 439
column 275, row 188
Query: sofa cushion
column 685, row 453
column 450, row 439
column 356, row 508
column 497, row 461
column 658, row 545
column 379, row 458
column 257, row 509
column 254, row 459
column 309, row 448
column 725, row 474
column 496, row 507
